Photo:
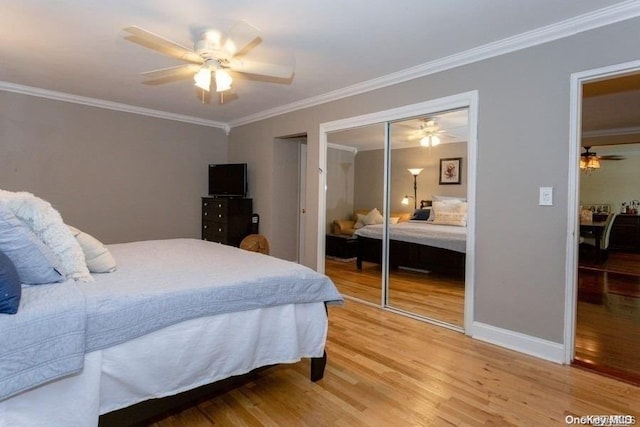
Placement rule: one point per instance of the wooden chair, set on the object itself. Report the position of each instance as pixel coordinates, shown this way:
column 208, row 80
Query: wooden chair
column 590, row 241
column 255, row 243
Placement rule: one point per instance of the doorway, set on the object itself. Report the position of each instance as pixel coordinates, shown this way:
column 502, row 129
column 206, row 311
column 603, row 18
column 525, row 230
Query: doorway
column 606, row 294
column 289, row 177
column 383, row 269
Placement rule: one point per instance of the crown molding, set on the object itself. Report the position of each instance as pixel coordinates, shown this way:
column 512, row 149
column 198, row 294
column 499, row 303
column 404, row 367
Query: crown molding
column 592, row 20
column 94, row 102
column 611, row 132
column 354, row 150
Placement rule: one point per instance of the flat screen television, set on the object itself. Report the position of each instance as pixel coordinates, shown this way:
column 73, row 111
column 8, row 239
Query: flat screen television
column 228, row 180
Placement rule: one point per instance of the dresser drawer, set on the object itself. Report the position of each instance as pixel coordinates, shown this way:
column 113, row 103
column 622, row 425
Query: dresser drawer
column 215, row 232
column 215, row 210
column 214, row 228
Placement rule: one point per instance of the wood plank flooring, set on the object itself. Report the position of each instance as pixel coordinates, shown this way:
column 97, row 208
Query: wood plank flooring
column 432, row 295
column 608, row 316
column 390, row 370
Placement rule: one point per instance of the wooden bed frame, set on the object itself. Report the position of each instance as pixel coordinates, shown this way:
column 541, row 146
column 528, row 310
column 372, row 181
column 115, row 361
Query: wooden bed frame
column 411, row 255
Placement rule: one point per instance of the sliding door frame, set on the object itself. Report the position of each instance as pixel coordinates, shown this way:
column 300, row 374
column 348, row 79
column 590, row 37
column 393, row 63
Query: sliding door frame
column 467, row 100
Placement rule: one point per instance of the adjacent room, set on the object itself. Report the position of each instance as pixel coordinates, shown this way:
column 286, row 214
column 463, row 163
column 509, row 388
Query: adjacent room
column 300, row 213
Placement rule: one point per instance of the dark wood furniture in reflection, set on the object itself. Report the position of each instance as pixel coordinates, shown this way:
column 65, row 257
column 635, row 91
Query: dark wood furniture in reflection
column 625, row 233
column 411, row 255
column 341, row 246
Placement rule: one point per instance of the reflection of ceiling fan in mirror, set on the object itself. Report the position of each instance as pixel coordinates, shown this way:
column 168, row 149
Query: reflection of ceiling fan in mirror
column 590, row 160
column 214, row 55
column 431, row 134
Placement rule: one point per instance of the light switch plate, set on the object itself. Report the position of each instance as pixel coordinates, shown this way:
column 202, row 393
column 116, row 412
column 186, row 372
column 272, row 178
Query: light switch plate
column 546, row 196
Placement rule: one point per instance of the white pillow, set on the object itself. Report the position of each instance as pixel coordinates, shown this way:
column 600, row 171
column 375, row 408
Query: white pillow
column 450, row 212
column 451, row 218
column 444, row 198
column 447, row 205
column 98, row 257
column 46, row 223
column 373, row 217
column 394, row 219
column 360, row 222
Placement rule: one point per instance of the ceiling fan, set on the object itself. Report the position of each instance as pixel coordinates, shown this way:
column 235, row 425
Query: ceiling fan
column 590, row 160
column 430, row 133
column 214, row 55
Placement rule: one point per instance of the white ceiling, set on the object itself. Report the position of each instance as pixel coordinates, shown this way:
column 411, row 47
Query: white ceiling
column 77, row 47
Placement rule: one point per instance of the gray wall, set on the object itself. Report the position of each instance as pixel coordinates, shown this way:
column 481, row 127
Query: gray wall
column 523, row 140
column 118, row 176
column 369, row 175
column 340, row 185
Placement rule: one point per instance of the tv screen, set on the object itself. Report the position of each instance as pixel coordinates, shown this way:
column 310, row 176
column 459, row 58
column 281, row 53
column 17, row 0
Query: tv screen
column 228, row 180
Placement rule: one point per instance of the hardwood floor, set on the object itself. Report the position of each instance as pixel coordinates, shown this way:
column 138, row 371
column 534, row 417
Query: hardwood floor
column 390, row 370
column 432, row 295
column 608, row 316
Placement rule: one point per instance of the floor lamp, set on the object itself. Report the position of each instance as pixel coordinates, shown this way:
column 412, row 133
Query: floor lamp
column 415, row 172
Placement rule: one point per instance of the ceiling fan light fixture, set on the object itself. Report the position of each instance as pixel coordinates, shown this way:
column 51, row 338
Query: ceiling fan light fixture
column 203, row 78
column 589, row 161
column 593, row 163
column 430, row 140
column 223, row 80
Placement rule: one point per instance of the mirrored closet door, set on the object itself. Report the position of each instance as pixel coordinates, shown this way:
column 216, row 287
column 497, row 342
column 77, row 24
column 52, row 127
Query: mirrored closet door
column 428, row 216
column 354, row 197
column 397, row 210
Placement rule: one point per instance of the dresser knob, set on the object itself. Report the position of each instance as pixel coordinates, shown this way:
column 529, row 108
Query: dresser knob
column 205, row 214
column 204, row 226
column 205, row 203
column 219, row 215
column 220, row 230
column 219, row 205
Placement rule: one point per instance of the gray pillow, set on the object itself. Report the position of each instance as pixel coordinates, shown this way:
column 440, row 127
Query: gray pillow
column 34, row 261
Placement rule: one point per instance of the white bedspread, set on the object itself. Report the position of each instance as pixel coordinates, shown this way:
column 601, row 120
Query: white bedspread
column 423, row 233
column 162, row 282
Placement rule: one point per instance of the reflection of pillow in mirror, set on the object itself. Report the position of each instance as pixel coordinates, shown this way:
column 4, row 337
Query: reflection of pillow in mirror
column 360, row 222
column 448, row 205
column 373, row 217
column 394, row 219
column 451, row 218
column 421, row 214
column 444, row 198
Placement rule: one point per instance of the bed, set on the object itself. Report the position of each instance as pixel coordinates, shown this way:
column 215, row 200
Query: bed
column 416, row 244
column 175, row 315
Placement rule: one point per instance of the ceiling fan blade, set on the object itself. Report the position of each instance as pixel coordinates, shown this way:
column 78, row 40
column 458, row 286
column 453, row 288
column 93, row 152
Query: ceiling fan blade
column 179, row 71
column 242, row 37
column 612, row 157
column 261, row 68
column 160, row 44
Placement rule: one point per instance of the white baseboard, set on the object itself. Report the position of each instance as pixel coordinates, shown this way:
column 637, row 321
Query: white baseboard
column 522, row 343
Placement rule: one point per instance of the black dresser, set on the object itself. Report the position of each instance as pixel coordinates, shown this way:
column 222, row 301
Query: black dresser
column 226, row 220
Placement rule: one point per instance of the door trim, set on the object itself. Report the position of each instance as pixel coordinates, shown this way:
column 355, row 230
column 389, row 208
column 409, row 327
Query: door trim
column 463, row 100
column 573, row 193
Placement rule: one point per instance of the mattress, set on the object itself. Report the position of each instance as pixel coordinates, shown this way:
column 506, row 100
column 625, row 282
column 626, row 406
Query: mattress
column 171, row 360
column 425, row 233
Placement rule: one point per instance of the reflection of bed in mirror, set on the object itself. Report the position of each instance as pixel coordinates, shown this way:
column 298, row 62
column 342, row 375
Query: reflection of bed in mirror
column 420, row 245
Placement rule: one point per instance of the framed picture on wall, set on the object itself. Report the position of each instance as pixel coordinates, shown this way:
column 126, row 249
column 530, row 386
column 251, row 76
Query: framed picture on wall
column 450, row 172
